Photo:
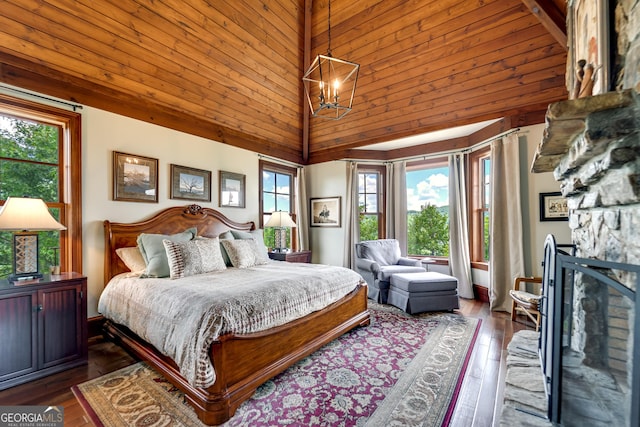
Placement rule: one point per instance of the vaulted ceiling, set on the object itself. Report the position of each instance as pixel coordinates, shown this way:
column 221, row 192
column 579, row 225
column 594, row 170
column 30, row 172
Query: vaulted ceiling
column 230, row 70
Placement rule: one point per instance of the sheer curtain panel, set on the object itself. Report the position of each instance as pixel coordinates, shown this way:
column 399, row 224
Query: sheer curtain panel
column 302, row 208
column 459, row 258
column 351, row 216
column 396, row 207
column 506, row 254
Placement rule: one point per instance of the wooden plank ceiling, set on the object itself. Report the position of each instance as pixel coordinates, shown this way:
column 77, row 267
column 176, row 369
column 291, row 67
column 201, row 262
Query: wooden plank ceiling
column 230, row 70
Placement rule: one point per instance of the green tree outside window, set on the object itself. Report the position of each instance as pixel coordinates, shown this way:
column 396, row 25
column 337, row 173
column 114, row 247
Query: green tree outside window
column 29, row 166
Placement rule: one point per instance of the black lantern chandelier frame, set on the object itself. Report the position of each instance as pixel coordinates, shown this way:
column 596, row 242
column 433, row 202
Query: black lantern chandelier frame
column 330, row 83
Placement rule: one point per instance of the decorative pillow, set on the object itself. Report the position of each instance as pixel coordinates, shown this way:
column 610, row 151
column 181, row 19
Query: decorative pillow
column 155, row 255
column 227, row 235
column 243, row 252
column 258, row 236
column 132, row 258
column 196, row 256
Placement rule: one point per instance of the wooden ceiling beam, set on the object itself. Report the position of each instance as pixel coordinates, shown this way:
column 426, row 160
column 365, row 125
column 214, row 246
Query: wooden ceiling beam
column 551, row 18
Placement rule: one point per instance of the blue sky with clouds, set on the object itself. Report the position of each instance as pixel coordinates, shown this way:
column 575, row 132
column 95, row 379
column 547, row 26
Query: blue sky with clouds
column 427, row 186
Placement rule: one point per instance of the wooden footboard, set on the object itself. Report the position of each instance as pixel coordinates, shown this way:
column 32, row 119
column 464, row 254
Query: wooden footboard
column 261, row 355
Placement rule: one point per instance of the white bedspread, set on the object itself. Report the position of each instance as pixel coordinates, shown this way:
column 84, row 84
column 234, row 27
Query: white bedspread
column 182, row 317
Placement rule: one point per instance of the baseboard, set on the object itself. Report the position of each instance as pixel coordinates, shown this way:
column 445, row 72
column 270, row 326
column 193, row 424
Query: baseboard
column 481, row 293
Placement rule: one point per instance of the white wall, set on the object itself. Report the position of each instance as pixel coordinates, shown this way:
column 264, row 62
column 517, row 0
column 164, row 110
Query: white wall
column 534, row 184
column 103, row 133
column 328, row 180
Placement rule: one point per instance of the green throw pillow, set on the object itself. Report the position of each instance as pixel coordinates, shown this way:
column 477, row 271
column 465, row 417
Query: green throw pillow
column 154, row 253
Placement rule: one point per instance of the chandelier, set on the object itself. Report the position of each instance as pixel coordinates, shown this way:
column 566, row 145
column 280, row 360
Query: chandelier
column 330, row 83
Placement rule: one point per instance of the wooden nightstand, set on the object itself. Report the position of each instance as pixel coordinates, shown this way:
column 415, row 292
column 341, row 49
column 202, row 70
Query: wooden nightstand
column 43, row 325
column 298, row 256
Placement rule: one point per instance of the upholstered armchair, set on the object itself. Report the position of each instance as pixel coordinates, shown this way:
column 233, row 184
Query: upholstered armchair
column 377, row 260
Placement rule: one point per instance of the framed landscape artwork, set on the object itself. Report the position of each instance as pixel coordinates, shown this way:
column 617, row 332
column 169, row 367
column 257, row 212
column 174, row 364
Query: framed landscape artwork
column 553, row 207
column 135, row 178
column 325, row 212
column 190, row 184
column 232, row 190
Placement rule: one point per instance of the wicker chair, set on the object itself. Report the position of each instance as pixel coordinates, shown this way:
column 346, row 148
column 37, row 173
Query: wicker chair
column 526, row 299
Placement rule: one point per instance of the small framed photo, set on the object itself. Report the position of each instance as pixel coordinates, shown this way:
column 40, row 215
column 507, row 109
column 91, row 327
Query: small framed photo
column 190, row 184
column 325, row 212
column 553, row 207
column 232, row 190
column 135, row 178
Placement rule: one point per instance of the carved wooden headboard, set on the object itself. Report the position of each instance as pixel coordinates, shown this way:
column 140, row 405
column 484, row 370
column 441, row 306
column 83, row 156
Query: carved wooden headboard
column 209, row 222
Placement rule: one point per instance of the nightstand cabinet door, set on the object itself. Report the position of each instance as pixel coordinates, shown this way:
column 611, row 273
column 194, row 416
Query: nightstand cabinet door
column 43, row 325
column 18, row 329
column 60, row 324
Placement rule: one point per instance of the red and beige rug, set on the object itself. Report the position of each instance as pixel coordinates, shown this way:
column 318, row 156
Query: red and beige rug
column 400, row 370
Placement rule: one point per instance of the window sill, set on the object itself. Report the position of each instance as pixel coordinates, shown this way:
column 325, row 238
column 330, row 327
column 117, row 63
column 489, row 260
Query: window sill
column 480, row 265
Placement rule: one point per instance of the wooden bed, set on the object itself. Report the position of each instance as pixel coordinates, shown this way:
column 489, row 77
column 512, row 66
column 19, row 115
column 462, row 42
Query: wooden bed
column 262, row 355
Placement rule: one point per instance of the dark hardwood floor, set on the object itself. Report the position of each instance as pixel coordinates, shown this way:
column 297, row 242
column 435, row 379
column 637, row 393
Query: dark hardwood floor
column 479, row 402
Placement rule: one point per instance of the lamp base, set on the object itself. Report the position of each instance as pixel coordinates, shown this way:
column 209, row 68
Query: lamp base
column 22, row 277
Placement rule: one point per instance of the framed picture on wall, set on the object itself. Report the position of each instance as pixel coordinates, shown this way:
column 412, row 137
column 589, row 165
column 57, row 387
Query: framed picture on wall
column 232, row 190
column 553, row 207
column 135, row 178
column 588, row 29
column 190, row 184
column 325, row 212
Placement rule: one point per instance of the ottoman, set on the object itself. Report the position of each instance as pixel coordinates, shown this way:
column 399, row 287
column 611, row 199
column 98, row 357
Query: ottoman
column 424, row 291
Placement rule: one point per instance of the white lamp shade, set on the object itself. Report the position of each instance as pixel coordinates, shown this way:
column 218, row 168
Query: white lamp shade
column 280, row 219
column 24, row 214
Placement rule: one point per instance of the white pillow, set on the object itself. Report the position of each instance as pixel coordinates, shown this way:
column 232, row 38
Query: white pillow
column 193, row 257
column 258, row 236
column 243, row 253
column 132, row 258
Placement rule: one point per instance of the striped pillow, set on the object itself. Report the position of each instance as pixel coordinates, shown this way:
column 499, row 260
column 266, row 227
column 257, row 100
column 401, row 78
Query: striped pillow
column 193, row 257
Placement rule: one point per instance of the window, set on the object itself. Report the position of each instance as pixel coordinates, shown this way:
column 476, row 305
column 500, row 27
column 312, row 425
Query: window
column 277, row 193
column 371, row 202
column 479, row 205
column 428, row 208
column 40, row 157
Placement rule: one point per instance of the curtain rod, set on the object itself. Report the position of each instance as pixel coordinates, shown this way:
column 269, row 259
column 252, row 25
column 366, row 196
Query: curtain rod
column 471, row 149
column 285, row 162
column 35, row 95
column 486, row 142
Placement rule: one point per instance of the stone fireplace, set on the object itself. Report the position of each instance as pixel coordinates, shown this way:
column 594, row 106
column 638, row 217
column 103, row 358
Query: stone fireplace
column 592, row 145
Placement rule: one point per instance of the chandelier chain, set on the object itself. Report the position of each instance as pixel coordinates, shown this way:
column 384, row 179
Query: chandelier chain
column 329, row 30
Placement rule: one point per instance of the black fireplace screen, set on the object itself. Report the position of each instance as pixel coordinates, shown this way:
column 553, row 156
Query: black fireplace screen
column 589, row 340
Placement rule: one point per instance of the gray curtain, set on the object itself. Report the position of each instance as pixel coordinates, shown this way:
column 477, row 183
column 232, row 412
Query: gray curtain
column 302, row 209
column 351, row 217
column 506, row 253
column 396, row 206
column 459, row 258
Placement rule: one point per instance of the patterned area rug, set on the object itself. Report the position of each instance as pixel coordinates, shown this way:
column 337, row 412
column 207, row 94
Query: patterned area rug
column 400, row 370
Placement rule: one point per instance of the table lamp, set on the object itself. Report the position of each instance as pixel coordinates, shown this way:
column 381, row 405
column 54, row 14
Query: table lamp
column 24, row 216
column 280, row 221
